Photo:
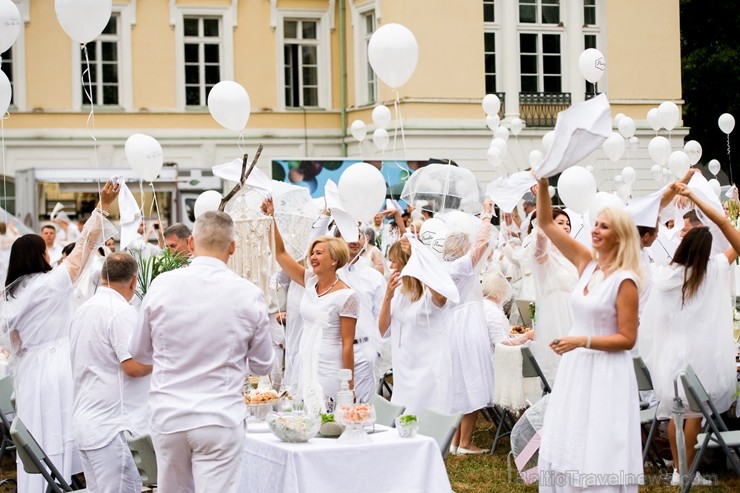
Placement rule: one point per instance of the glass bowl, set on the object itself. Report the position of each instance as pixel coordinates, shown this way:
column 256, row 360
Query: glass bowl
column 294, row 428
column 406, row 429
column 259, row 412
column 354, row 418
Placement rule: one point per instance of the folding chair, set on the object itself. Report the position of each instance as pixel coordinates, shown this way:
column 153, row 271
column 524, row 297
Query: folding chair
column 142, row 449
column 716, row 434
column 6, row 407
column 502, row 418
column 648, row 415
column 439, row 426
column 385, row 387
column 385, row 411
column 35, row 460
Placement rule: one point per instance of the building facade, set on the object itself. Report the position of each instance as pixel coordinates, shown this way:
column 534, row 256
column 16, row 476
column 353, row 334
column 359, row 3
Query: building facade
column 305, row 66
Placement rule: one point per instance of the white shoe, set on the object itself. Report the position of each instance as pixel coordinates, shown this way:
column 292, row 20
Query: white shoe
column 675, row 478
column 699, row 480
column 464, row 451
column 453, row 450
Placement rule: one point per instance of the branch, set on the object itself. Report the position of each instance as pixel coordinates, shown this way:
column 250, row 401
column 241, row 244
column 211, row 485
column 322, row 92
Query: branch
column 245, row 174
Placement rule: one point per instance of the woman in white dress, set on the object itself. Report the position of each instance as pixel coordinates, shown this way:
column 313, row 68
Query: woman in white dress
column 471, row 380
column 554, row 279
column 372, row 252
column 591, row 433
column 691, row 318
column 37, row 317
column 414, row 315
column 329, row 310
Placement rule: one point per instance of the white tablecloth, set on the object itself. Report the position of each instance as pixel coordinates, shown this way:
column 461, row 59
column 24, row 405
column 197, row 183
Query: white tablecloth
column 389, row 464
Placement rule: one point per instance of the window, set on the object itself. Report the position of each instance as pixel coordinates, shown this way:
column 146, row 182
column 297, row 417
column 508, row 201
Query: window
column 589, row 13
column 489, row 40
column 202, row 42
column 7, row 67
column 589, row 41
column 371, row 84
column 489, row 11
column 101, row 85
column 539, row 11
column 301, row 62
column 540, row 62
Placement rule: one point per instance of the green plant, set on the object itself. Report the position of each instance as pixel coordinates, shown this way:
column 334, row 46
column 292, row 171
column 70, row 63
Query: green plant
column 532, row 310
column 155, row 265
column 407, row 419
column 327, row 418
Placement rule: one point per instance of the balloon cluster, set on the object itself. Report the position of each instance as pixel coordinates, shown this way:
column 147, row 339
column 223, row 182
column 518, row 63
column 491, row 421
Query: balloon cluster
column 10, row 28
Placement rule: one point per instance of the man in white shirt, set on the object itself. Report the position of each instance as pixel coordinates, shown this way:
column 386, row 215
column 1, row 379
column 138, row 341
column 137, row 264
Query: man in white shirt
column 202, row 326
column 106, row 378
column 49, row 234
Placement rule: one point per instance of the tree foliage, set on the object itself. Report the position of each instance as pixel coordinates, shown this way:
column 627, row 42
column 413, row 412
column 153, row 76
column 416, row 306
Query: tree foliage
column 710, row 53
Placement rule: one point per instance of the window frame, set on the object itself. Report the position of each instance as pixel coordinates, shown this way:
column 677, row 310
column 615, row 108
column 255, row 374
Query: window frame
column 493, row 29
column 540, row 55
column 226, row 52
column 322, row 53
column 539, row 5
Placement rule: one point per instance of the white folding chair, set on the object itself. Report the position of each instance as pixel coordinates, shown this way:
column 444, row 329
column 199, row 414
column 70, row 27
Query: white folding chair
column 385, row 411
column 439, row 426
column 145, row 458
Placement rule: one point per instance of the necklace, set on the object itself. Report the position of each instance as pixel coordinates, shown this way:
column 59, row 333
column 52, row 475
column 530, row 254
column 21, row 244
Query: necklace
column 336, row 280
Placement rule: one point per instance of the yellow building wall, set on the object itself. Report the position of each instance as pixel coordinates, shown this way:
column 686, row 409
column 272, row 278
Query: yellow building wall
column 153, row 57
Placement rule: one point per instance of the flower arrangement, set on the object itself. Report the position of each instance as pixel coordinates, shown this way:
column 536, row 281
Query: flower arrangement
column 407, row 426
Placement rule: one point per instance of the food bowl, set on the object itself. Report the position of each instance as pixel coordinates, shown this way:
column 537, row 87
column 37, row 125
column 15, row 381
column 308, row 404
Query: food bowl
column 294, row 428
column 407, row 427
column 259, row 412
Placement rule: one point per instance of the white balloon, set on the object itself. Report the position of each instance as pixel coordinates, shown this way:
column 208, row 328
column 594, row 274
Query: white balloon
column 577, row 188
column 618, row 118
column 492, row 122
column 627, row 127
column 516, row 126
column 656, row 171
column 726, row 123
column 381, row 116
column 653, row 118
column 716, row 187
column 393, row 53
column 430, row 229
column 668, row 114
column 209, row 200
column 494, row 156
column 678, row 163
column 629, row 174
column 10, row 24
column 714, row 167
column 592, row 65
column 659, row 149
column 491, row 104
column 614, row 146
column 229, row 105
column 666, row 173
column 551, row 191
column 359, row 130
column 693, row 150
column 535, row 158
column 6, row 92
column 547, row 140
column 502, row 133
column 83, row 20
column 144, row 155
column 380, row 138
column 500, row 143
column 590, row 169
column 601, row 201
column 634, row 142
column 619, row 179
column 362, row 191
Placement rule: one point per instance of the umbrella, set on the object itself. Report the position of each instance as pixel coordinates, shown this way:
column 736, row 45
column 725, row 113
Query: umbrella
column 443, row 188
column 678, row 420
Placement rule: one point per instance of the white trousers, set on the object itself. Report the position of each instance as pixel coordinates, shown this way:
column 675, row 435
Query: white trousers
column 111, row 469
column 206, row 459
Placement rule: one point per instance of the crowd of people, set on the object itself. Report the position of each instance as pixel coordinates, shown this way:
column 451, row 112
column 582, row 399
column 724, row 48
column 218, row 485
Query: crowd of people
column 370, row 299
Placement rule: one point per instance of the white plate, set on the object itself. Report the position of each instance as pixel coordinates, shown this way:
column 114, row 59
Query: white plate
column 257, row 427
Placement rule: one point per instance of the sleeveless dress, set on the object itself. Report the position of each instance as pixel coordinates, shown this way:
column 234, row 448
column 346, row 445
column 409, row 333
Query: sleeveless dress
column 323, row 313
column 591, row 433
column 419, row 353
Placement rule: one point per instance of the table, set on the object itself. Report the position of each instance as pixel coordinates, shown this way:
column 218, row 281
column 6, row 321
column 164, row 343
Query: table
column 389, row 464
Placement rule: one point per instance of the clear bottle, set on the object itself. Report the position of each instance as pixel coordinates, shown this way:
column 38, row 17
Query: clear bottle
column 345, row 397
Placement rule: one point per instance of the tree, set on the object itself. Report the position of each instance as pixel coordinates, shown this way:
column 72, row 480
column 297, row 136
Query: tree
column 710, row 51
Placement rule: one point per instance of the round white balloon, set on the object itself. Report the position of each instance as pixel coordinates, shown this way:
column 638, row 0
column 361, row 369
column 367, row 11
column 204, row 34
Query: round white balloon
column 492, row 122
column 634, row 142
column 577, row 188
column 6, row 93
column 601, row 201
column 362, row 191
column 693, row 149
column 659, row 149
column 209, row 200
column 547, row 140
column 629, row 175
column 381, row 138
column 590, row 169
column 627, row 127
column 618, row 179
column 726, row 123
column 500, row 143
column 494, row 156
column 10, row 24
column 431, row 229
column 678, row 163
column 714, row 167
column 592, row 65
column 535, row 158
column 502, row 133
column 516, row 126
column 393, row 54
column 144, row 155
column 716, row 187
column 617, row 118
column 668, row 113
column 657, row 172
column 491, row 104
column 229, row 105
column 551, row 191
column 359, row 130
column 614, row 146
column 83, row 20
column 653, row 118
column 381, row 116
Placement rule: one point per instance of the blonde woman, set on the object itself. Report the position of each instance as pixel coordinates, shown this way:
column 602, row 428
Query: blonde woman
column 591, row 434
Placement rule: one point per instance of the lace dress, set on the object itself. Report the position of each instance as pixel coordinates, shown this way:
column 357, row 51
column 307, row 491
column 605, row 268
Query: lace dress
column 321, row 342
column 591, row 433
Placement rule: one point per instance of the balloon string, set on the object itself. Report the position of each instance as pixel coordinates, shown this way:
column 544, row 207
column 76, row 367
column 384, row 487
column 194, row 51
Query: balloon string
column 241, row 143
column 86, row 80
column 399, row 124
column 155, row 204
column 141, row 193
column 5, row 174
column 729, row 159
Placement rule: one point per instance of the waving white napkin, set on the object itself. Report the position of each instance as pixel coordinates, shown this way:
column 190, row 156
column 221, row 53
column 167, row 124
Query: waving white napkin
column 130, row 213
column 232, row 171
column 427, row 268
column 700, row 186
column 347, row 226
column 645, row 210
column 507, row 192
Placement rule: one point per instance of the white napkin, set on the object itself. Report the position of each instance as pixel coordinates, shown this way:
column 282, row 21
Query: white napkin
column 427, row 268
column 130, row 213
column 507, row 192
column 232, row 171
column 347, row 226
column 579, row 131
column 645, row 210
column 700, row 186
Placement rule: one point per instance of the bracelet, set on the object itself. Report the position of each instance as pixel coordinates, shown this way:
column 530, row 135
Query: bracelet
column 104, row 213
column 486, row 217
column 588, row 342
